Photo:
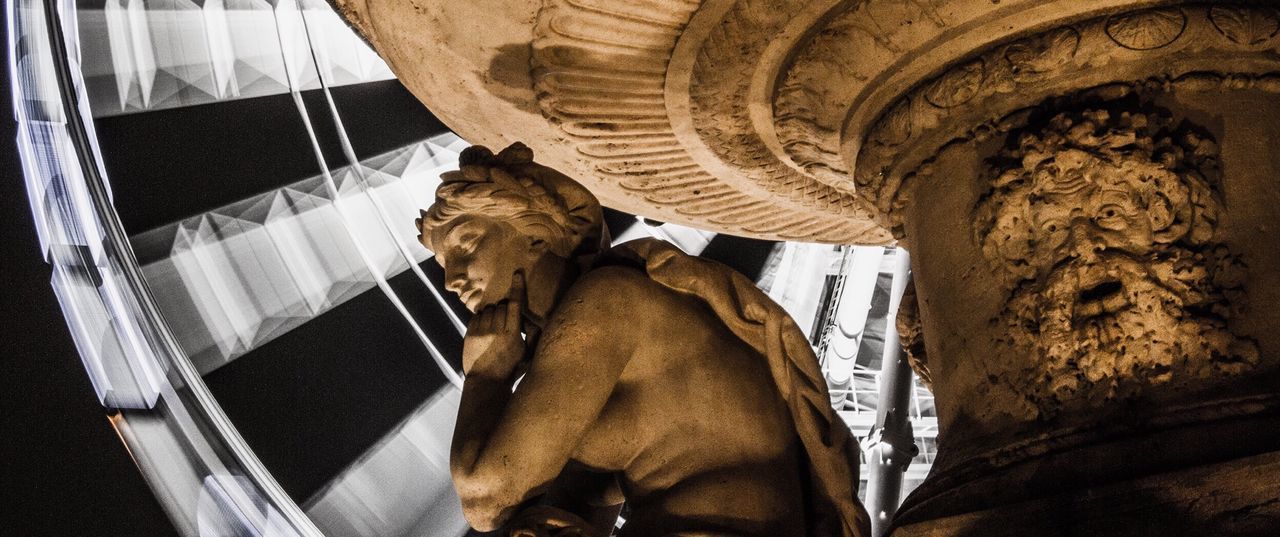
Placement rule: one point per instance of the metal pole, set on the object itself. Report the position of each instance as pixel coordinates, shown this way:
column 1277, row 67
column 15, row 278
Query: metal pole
column 890, row 446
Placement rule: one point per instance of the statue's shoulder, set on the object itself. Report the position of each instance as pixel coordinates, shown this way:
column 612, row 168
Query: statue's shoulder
column 613, row 283
column 613, row 293
column 616, row 303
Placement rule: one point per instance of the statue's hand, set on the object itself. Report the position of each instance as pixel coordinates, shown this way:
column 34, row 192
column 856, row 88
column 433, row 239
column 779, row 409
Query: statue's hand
column 493, row 346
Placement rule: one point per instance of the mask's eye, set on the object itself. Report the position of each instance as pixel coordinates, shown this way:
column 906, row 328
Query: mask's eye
column 1111, row 216
column 1113, row 210
column 1053, row 232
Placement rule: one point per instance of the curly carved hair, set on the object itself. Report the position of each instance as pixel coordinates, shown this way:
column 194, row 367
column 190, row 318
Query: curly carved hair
column 1173, row 167
column 539, row 202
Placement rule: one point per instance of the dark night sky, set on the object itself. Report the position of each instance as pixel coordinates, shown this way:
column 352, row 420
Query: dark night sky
column 65, row 472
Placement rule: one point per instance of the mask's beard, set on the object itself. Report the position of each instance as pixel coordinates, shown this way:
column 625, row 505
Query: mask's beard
column 1105, row 329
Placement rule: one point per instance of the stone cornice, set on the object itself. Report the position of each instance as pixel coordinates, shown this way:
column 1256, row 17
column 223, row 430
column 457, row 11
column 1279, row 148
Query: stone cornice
column 1192, row 47
column 671, row 124
column 784, row 119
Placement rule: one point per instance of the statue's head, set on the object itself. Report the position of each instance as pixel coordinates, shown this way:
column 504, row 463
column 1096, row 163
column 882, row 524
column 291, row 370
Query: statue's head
column 1104, row 227
column 504, row 214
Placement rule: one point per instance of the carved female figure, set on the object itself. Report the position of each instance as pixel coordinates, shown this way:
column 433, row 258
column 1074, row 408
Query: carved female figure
column 647, row 375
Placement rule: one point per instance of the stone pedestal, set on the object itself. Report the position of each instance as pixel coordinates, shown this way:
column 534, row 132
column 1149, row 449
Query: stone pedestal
column 1235, row 497
column 1088, row 189
column 1092, row 212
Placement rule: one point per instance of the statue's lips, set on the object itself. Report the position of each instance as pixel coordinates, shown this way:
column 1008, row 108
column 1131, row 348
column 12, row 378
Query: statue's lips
column 467, row 294
column 1103, row 298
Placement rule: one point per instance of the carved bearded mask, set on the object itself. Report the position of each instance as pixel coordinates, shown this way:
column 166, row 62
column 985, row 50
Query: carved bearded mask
column 1102, row 228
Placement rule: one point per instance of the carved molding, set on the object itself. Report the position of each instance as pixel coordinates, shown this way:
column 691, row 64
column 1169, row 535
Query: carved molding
column 600, row 75
column 1245, row 26
column 720, row 97
column 821, row 85
column 1189, row 47
column 773, row 118
column 1147, row 30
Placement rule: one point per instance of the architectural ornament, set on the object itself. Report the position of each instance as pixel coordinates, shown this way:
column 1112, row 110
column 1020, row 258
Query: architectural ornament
column 1104, row 225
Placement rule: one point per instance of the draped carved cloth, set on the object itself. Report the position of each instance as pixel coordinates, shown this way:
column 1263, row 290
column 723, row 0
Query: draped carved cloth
column 759, row 322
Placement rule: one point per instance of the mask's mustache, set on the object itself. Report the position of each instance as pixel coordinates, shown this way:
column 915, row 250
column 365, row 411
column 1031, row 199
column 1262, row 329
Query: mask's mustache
column 1077, row 290
column 1075, row 275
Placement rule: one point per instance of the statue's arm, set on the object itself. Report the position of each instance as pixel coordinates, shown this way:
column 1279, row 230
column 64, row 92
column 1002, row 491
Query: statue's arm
column 508, row 447
column 595, row 496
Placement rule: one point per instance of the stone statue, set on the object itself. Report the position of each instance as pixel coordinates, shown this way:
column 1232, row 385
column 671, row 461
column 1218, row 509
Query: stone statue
column 1104, row 226
column 643, row 374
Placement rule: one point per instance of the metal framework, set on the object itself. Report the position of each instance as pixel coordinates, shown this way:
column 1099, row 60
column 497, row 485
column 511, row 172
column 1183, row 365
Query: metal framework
column 147, row 368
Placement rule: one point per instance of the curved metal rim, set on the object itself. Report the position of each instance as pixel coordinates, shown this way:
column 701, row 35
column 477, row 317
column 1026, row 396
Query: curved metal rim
column 167, row 350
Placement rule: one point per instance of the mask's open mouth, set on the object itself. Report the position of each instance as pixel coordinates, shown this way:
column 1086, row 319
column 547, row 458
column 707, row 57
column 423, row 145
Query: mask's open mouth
column 1101, row 298
column 1101, row 291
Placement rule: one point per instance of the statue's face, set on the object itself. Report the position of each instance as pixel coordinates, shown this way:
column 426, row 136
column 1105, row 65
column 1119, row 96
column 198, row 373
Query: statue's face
column 1078, row 218
column 1106, row 283
column 1091, row 223
column 480, row 257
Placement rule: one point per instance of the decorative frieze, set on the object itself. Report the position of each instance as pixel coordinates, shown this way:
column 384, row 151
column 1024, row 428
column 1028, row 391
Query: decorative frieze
column 989, row 92
column 600, row 71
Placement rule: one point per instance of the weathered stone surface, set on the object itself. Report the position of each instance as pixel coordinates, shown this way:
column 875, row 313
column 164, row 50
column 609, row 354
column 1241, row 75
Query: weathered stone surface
column 1169, row 148
column 990, row 93
column 1091, row 231
column 726, row 114
column 1238, row 497
column 591, row 86
column 1104, row 226
column 771, row 118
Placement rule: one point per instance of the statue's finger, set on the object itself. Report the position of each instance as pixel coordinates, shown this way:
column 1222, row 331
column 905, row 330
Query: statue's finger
column 484, row 320
column 512, row 319
column 517, row 288
column 495, row 318
column 500, row 318
column 516, row 303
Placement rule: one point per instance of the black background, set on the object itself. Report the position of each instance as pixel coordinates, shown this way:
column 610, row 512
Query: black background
column 65, row 472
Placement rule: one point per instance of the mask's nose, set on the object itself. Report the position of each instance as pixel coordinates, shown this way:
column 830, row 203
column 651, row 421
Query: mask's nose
column 1086, row 241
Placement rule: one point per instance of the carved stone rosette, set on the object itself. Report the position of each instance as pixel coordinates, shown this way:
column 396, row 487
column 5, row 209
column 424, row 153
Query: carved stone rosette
column 1192, row 47
column 1087, row 188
